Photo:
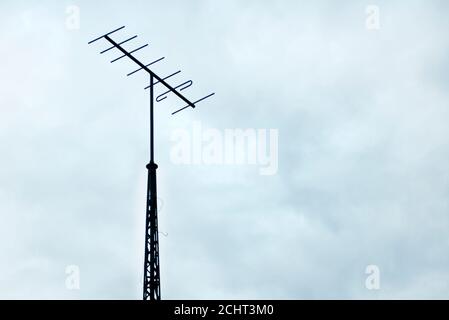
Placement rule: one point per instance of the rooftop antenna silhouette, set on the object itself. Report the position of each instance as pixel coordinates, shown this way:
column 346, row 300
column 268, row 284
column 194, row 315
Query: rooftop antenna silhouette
column 151, row 280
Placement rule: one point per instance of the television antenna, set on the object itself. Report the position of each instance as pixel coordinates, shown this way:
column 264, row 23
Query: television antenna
column 151, row 280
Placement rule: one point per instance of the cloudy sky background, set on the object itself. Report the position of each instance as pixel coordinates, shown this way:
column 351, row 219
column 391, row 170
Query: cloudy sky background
column 363, row 150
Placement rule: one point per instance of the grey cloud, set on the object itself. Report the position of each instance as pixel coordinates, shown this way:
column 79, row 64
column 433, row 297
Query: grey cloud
column 362, row 151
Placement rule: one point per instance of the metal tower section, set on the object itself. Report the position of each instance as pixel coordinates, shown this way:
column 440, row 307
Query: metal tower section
column 151, row 278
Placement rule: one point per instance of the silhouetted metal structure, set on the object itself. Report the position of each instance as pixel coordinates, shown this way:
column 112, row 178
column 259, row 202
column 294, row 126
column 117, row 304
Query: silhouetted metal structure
column 151, row 281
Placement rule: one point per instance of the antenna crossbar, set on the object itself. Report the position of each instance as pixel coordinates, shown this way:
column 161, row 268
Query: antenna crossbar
column 144, row 67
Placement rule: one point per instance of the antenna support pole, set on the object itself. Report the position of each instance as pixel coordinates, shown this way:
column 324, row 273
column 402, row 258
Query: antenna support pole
column 151, row 278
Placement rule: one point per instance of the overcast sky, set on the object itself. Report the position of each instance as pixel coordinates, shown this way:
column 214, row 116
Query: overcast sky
column 363, row 149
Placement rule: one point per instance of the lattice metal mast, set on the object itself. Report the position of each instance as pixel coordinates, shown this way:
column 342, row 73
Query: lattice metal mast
column 151, row 281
